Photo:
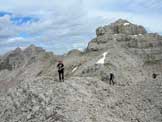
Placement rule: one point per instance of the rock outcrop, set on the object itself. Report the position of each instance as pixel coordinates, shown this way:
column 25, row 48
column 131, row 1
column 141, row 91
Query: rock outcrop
column 121, row 26
column 134, row 37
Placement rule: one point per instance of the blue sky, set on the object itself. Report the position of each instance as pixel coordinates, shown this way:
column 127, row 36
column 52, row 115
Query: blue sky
column 62, row 25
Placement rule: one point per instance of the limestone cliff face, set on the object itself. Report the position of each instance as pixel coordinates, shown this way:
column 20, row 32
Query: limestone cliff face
column 30, row 90
column 131, row 36
column 121, row 26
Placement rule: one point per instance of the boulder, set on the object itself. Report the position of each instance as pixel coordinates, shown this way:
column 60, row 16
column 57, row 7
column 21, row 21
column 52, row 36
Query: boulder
column 100, row 31
column 92, row 45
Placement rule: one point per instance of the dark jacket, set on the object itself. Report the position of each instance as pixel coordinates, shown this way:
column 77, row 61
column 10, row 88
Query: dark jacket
column 111, row 76
column 60, row 67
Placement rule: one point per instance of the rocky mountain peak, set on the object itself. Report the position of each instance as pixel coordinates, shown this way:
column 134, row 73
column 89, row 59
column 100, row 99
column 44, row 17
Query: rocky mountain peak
column 121, row 26
column 121, row 21
column 17, row 50
column 19, row 57
column 132, row 36
column 33, row 50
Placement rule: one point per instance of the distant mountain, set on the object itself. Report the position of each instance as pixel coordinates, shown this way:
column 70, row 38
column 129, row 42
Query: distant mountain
column 18, row 58
column 30, row 90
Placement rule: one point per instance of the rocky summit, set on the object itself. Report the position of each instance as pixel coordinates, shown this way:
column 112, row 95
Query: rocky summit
column 30, row 90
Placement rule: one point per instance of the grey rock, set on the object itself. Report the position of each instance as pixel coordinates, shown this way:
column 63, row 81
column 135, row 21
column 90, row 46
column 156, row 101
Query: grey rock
column 100, row 31
column 121, row 26
column 74, row 52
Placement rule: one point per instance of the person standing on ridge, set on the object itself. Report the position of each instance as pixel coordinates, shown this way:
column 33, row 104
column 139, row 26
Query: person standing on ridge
column 60, row 67
column 111, row 79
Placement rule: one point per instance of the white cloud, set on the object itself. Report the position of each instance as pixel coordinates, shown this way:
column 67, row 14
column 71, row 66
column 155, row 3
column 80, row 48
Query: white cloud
column 15, row 39
column 7, row 29
column 65, row 24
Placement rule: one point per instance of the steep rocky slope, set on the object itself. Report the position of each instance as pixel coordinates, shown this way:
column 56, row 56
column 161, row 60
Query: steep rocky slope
column 30, row 91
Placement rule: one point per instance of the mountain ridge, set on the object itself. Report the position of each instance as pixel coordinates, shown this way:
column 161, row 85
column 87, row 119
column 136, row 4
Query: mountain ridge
column 31, row 92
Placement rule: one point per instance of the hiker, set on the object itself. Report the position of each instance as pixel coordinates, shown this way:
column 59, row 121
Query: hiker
column 111, row 79
column 154, row 76
column 60, row 67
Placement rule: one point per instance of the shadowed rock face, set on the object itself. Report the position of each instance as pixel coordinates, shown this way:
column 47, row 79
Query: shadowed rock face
column 30, row 91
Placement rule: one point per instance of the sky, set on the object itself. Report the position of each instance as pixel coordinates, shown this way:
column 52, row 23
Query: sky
column 62, row 25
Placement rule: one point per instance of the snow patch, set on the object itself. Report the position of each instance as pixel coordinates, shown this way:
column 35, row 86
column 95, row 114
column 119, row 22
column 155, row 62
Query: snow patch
column 102, row 60
column 140, row 34
column 125, row 24
column 74, row 69
column 22, row 48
